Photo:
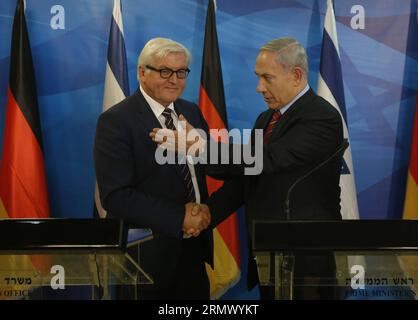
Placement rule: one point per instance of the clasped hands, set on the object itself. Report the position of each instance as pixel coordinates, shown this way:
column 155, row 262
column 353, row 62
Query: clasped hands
column 196, row 219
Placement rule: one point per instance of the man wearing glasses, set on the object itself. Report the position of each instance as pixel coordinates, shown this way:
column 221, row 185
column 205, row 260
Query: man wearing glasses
column 133, row 186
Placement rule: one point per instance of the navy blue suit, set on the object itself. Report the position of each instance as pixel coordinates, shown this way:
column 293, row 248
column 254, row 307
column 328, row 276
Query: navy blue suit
column 134, row 187
column 307, row 134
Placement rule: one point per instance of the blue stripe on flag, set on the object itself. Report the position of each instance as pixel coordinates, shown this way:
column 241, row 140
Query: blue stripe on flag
column 116, row 57
column 330, row 69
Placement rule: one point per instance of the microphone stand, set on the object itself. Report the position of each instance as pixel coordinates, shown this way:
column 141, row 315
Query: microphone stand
column 284, row 267
column 287, row 261
column 342, row 147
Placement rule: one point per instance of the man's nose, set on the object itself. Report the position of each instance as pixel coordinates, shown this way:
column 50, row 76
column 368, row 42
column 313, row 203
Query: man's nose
column 173, row 78
column 260, row 87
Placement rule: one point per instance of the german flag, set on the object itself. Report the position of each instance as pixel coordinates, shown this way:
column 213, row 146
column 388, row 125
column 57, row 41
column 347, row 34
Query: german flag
column 410, row 210
column 23, row 188
column 411, row 199
column 226, row 270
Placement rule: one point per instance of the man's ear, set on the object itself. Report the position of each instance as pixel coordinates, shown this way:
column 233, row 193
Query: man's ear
column 297, row 75
column 141, row 72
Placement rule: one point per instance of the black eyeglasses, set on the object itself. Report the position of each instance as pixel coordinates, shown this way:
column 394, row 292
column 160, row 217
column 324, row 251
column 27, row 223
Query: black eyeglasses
column 166, row 73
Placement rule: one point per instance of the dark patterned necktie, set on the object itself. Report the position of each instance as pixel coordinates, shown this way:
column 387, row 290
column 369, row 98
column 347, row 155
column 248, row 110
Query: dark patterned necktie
column 183, row 167
column 269, row 129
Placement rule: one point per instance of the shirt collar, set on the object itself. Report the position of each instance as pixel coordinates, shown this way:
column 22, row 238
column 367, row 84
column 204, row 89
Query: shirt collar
column 156, row 107
column 300, row 94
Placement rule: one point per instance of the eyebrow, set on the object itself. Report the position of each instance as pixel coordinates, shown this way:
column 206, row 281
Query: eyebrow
column 165, row 67
column 263, row 74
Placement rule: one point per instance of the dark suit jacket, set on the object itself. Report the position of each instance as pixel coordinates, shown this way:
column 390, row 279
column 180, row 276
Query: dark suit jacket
column 309, row 132
column 134, row 187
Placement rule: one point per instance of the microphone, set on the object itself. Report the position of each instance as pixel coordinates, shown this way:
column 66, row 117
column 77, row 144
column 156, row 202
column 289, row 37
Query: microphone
column 288, row 260
column 344, row 145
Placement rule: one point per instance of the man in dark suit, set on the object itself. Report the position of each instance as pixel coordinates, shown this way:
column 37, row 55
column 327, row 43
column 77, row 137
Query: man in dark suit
column 135, row 187
column 300, row 131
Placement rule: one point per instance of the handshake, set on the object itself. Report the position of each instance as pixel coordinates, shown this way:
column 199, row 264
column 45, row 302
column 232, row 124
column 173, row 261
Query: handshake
column 196, row 219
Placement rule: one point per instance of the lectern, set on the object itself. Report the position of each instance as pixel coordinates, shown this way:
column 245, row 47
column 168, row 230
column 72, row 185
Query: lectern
column 375, row 259
column 67, row 259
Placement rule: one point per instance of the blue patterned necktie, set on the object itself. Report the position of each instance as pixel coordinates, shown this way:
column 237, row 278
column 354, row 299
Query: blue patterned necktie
column 183, row 167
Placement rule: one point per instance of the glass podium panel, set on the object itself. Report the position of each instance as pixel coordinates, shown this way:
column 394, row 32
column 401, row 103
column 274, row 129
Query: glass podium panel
column 389, row 275
column 69, row 275
column 344, row 260
column 46, row 259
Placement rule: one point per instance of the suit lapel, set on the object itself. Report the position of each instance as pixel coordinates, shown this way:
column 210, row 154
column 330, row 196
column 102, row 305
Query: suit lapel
column 264, row 120
column 185, row 111
column 180, row 108
column 289, row 115
column 147, row 117
column 149, row 122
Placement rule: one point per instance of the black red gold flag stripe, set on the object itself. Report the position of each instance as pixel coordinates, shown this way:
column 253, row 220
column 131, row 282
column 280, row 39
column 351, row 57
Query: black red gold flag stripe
column 212, row 104
column 23, row 187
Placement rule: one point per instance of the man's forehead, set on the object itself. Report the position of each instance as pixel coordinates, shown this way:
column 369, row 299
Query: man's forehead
column 173, row 58
column 263, row 67
column 267, row 65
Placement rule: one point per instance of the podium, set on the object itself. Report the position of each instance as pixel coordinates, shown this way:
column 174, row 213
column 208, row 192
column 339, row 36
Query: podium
column 371, row 259
column 67, row 259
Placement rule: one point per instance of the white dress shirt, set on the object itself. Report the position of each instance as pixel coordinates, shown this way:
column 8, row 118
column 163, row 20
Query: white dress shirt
column 158, row 109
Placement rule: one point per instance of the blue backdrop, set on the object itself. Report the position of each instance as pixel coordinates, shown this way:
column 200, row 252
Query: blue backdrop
column 379, row 65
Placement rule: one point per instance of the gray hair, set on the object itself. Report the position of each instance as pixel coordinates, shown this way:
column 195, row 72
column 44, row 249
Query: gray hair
column 159, row 48
column 289, row 52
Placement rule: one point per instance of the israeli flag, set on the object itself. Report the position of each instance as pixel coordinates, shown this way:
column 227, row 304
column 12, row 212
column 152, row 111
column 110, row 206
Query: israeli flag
column 331, row 88
column 116, row 86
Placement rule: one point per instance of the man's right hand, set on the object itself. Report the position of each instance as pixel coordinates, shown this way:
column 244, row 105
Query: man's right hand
column 190, row 141
column 197, row 218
